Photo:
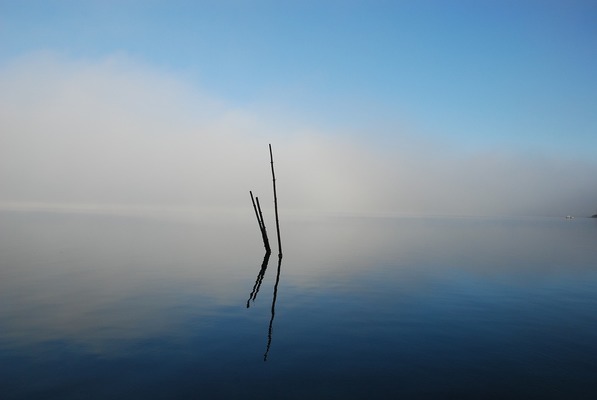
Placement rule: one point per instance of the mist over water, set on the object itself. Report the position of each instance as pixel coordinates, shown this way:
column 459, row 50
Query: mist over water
column 434, row 178
column 114, row 133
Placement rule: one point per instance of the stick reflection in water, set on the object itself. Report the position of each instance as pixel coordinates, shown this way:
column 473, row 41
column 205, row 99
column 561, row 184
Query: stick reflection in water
column 271, row 321
column 259, row 279
column 255, row 291
column 261, row 274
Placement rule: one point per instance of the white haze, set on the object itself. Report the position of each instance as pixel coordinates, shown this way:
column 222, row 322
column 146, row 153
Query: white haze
column 114, row 133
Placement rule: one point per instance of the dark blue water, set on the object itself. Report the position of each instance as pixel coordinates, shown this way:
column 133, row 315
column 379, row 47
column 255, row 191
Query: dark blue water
column 151, row 307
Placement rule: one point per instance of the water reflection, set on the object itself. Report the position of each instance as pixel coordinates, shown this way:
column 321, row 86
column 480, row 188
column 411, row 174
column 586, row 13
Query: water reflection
column 96, row 280
column 459, row 308
column 271, row 321
column 255, row 291
column 259, row 279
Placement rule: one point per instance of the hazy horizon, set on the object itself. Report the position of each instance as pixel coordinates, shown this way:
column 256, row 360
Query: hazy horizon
column 465, row 110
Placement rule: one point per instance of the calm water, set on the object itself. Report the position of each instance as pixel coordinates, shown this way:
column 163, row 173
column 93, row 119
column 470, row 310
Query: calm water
column 122, row 307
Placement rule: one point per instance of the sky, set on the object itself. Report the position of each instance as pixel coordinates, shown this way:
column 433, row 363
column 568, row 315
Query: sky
column 378, row 107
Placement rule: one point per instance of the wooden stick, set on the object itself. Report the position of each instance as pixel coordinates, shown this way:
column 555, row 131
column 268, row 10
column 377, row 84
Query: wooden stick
column 260, row 222
column 263, row 230
column 271, row 157
column 255, row 208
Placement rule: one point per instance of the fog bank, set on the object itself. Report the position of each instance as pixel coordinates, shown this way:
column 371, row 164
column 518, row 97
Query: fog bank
column 115, row 132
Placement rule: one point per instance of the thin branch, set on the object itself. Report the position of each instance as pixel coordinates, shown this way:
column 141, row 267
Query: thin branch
column 263, row 230
column 260, row 222
column 271, row 157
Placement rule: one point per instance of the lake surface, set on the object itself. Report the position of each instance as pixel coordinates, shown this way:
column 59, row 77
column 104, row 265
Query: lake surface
column 155, row 307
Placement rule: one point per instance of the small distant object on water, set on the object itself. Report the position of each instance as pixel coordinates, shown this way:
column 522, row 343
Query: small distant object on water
column 569, row 217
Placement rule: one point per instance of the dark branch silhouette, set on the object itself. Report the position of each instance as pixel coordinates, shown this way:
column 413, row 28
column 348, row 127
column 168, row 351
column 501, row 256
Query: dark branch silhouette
column 271, row 321
column 261, row 223
column 261, row 274
column 271, row 157
column 259, row 279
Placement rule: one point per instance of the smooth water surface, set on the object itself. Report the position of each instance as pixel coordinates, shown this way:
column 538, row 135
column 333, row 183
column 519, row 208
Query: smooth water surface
column 149, row 307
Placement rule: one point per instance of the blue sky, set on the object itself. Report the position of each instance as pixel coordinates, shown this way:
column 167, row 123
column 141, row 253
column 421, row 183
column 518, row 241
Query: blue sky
column 512, row 81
